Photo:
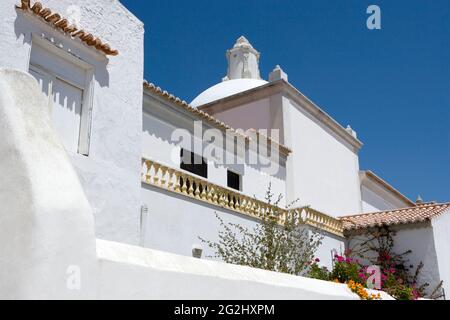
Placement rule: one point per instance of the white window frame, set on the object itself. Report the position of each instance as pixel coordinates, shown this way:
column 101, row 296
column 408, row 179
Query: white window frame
column 84, row 139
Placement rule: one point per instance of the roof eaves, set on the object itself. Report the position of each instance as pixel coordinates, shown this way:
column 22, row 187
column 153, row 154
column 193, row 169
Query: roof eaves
column 205, row 116
column 350, row 224
column 371, row 175
column 293, row 92
column 60, row 23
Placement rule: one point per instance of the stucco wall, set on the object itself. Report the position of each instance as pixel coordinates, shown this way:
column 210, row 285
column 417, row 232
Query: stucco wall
column 420, row 240
column 159, row 123
column 324, row 169
column 128, row 272
column 46, row 223
column 372, row 202
column 174, row 223
column 111, row 174
column 441, row 231
column 375, row 196
column 260, row 114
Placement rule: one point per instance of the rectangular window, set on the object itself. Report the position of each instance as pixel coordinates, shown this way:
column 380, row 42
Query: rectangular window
column 65, row 84
column 233, row 180
column 194, row 163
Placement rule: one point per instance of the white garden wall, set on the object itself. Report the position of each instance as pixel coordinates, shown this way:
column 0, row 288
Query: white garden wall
column 418, row 238
column 175, row 222
column 137, row 273
column 441, row 233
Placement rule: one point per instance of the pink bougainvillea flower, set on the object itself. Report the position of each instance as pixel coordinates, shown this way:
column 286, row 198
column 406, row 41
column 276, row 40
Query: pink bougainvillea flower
column 362, row 276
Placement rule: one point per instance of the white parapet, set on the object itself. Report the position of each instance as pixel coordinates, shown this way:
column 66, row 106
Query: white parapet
column 129, row 272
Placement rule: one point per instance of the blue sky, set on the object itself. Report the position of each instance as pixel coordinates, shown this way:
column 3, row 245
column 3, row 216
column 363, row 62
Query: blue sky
column 391, row 85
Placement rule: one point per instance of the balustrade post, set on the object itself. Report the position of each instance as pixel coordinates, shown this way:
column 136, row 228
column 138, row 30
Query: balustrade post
column 148, row 166
column 191, row 186
column 203, row 195
column 156, row 166
column 197, row 189
column 209, row 194
column 215, row 196
column 170, row 171
column 183, row 183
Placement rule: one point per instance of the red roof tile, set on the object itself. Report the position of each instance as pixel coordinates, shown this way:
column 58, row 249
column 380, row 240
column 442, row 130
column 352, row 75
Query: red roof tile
column 419, row 213
column 214, row 121
column 57, row 21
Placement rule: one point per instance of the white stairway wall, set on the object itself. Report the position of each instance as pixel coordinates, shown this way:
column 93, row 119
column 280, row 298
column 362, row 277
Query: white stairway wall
column 46, row 223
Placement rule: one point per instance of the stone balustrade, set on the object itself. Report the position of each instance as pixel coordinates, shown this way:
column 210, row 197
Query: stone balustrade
column 190, row 185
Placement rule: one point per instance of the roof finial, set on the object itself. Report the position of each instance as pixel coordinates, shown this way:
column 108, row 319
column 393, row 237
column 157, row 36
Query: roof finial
column 278, row 74
column 419, row 199
column 242, row 40
column 243, row 61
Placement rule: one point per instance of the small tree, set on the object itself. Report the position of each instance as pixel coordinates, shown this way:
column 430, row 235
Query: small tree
column 281, row 245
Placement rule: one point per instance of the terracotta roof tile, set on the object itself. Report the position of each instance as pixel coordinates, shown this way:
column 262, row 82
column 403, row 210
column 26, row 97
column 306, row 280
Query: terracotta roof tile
column 203, row 115
column 57, row 21
column 419, row 213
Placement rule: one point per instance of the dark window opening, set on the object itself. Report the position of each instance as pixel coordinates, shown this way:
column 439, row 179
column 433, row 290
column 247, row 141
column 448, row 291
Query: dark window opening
column 234, row 180
column 194, row 163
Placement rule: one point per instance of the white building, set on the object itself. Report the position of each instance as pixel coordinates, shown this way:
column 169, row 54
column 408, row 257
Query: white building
column 125, row 136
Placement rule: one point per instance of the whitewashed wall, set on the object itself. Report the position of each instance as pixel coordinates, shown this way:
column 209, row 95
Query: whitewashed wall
column 111, row 174
column 376, row 197
column 260, row 114
column 423, row 245
column 441, row 232
column 160, row 120
column 324, row 168
column 174, row 224
column 372, row 202
column 420, row 239
column 128, row 272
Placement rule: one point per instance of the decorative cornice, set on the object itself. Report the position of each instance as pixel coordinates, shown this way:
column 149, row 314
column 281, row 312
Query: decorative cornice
column 275, row 87
column 372, row 176
column 210, row 119
column 62, row 24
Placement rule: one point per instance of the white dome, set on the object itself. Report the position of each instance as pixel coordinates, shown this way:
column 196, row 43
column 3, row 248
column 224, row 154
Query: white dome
column 226, row 89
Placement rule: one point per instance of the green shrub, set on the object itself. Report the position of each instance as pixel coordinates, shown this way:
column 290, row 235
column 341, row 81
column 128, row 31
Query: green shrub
column 318, row 272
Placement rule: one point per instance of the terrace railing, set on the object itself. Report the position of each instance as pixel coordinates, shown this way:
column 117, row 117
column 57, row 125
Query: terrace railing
column 190, row 185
